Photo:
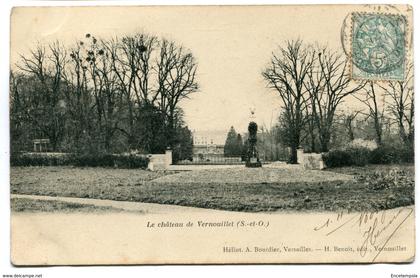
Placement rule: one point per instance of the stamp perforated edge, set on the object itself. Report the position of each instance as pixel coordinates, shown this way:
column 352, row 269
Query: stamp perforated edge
column 407, row 51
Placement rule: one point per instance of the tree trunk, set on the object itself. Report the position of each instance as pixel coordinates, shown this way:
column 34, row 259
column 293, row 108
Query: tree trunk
column 293, row 155
column 313, row 145
column 131, row 138
column 378, row 131
column 107, row 143
column 350, row 131
column 324, row 138
column 171, row 129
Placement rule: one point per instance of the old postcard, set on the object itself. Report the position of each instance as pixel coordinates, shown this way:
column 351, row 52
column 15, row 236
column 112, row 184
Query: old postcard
column 212, row 134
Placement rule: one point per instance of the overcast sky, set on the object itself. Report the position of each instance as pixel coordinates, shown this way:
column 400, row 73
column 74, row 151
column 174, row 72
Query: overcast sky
column 232, row 46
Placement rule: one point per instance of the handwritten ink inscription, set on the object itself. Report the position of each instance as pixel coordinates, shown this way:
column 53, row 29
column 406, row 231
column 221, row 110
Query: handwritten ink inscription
column 376, row 229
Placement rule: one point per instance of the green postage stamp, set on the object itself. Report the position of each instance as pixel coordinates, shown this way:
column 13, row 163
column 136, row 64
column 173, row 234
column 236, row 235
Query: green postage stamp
column 378, row 46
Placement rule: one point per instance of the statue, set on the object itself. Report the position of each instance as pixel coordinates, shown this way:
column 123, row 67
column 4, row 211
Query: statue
column 252, row 159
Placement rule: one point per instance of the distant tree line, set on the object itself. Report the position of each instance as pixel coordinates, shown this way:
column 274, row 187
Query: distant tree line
column 314, row 81
column 104, row 96
column 234, row 145
column 268, row 145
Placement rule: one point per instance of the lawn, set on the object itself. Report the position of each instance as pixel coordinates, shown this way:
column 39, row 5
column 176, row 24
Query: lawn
column 252, row 176
column 353, row 189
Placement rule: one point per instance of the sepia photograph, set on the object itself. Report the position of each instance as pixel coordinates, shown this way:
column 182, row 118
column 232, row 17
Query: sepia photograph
column 273, row 134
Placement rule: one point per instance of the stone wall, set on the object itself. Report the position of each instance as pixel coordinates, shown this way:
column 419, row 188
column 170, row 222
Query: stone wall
column 310, row 161
column 160, row 161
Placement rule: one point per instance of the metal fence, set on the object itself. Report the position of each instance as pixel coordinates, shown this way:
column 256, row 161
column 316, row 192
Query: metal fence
column 212, row 159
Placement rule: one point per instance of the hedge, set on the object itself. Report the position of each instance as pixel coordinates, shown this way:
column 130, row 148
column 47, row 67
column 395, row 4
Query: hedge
column 97, row 160
column 391, row 154
column 359, row 156
column 41, row 159
column 347, row 157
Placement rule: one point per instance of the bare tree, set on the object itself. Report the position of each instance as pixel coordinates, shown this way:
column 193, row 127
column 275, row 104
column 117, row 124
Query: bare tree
column 376, row 108
column 122, row 90
column 18, row 110
column 79, row 99
column 16, row 100
column 47, row 65
column 311, row 128
column 136, row 61
column 401, row 105
column 131, row 62
column 176, row 70
column 106, row 93
column 329, row 84
column 286, row 75
column 348, row 122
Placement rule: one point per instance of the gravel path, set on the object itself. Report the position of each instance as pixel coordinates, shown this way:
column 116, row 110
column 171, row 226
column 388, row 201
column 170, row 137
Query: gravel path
column 126, row 206
column 201, row 167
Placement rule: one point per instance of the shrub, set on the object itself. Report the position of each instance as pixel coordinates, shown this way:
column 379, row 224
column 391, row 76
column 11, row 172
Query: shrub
column 384, row 155
column 392, row 154
column 131, row 161
column 337, row 158
column 382, row 180
column 347, row 157
column 359, row 156
column 407, row 155
column 361, row 143
column 112, row 160
column 91, row 160
column 38, row 159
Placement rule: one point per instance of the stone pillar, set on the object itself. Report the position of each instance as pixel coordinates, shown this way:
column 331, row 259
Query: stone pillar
column 300, row 159
column 168, row 158
column 150, row 165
